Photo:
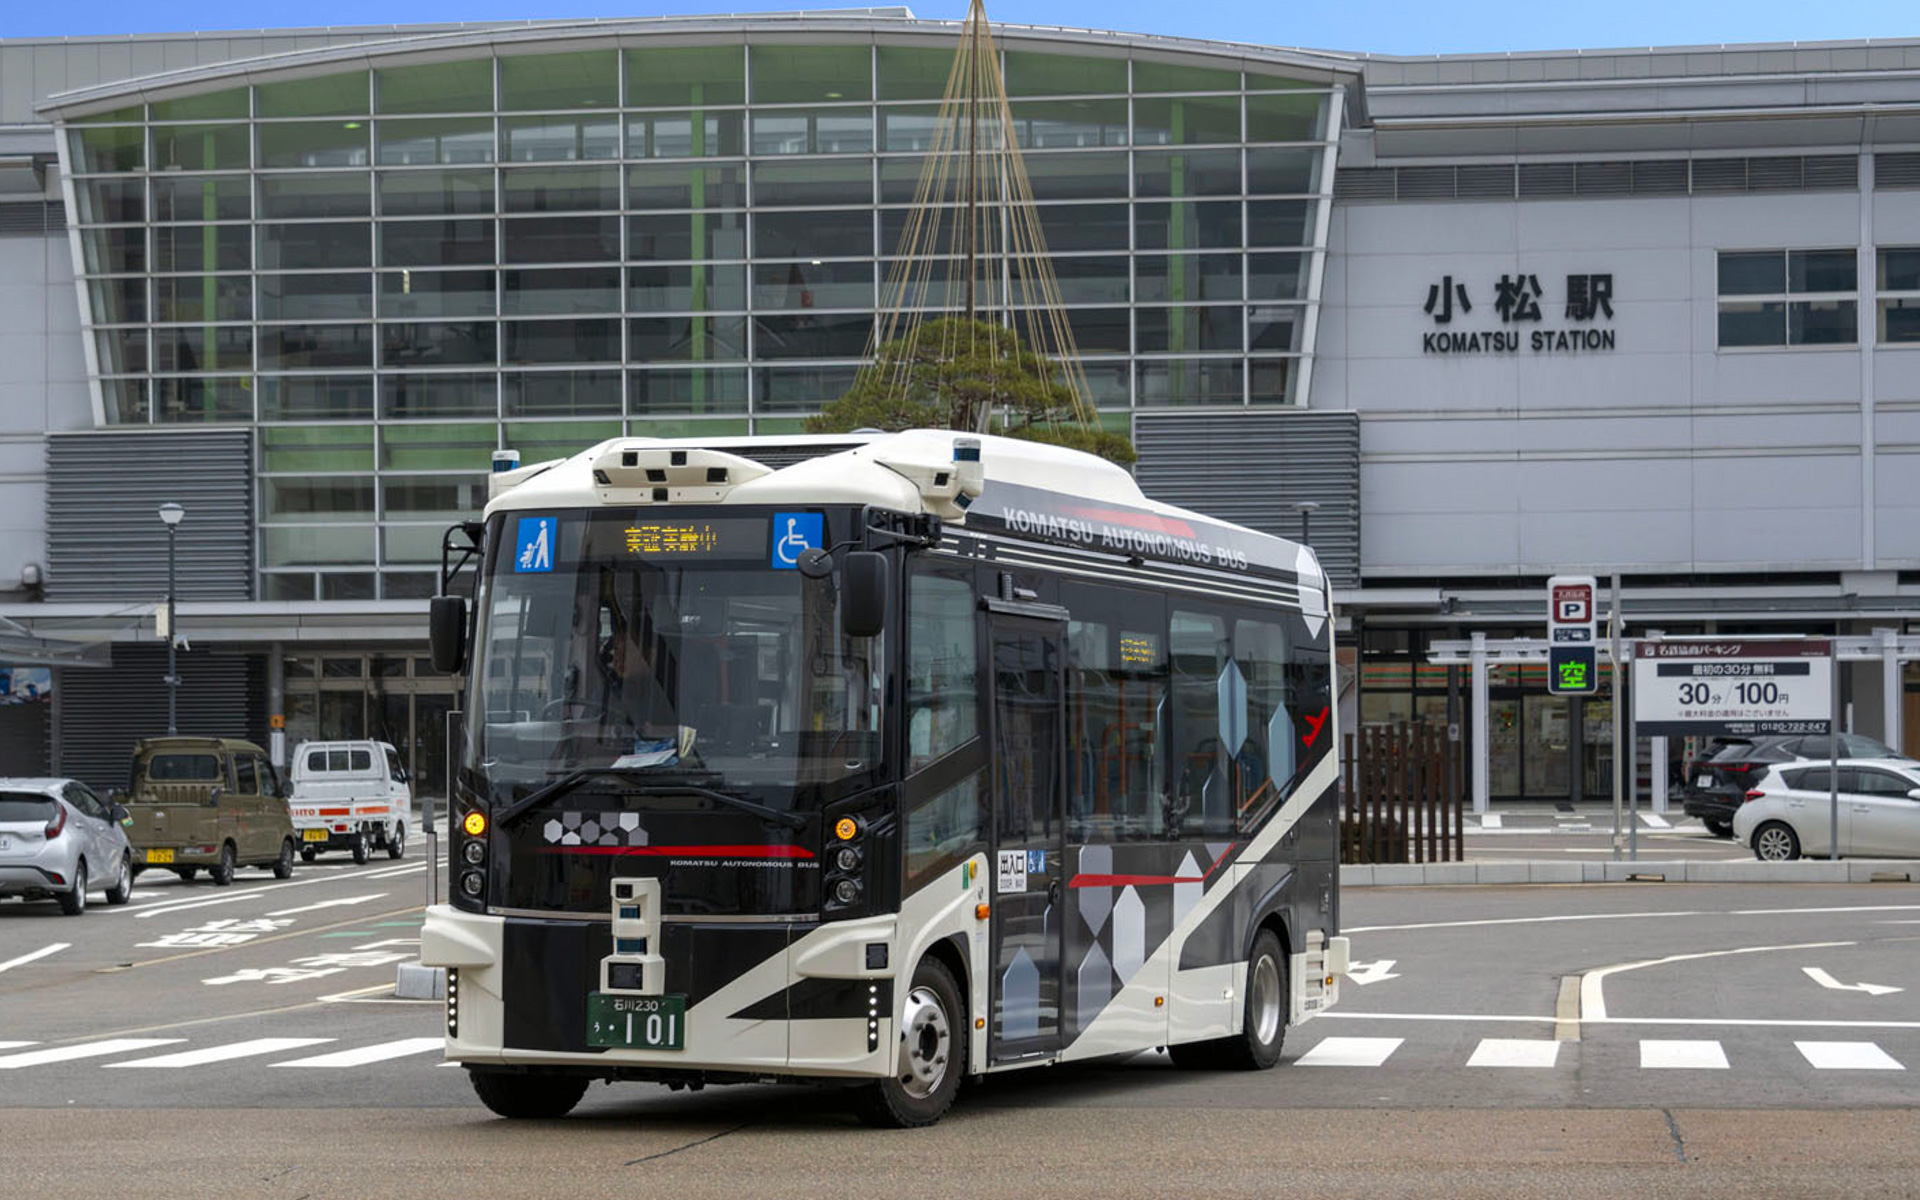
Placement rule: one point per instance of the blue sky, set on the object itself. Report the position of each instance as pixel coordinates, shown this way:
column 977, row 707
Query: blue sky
column 1382, row 26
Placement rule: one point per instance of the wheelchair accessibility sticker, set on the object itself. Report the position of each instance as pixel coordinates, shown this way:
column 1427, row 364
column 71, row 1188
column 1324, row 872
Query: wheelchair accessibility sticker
column 533, row 544
column 794, row 533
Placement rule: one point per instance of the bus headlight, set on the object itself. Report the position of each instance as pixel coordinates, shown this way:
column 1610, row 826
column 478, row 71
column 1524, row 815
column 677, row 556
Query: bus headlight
column 847, row 891
column 473, row 883
column 474, row 853
column 846, row 858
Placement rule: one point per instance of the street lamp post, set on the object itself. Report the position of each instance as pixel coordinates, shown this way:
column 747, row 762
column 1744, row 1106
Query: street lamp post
column 171, row 514
column 1305, row 508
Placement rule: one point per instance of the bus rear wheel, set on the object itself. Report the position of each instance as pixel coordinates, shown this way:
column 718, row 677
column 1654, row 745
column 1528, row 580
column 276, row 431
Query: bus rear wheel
column 931, row 1058
column 528, row 1097
column 1263, row 1029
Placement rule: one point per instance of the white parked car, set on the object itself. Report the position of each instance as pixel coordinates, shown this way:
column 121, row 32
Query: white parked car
column 1787, row 813
column 349, row 796
column 58, row 841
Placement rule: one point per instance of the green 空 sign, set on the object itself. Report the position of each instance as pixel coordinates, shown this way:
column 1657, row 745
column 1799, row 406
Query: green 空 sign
column 1572, row 671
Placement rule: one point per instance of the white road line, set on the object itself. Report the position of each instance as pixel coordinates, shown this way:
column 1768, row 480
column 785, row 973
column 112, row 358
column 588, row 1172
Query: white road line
column 1631, row 916
column 370, row 1054
column 15, row 1045
column 214, row 1054
column 42, row 952
column 1515, row 1052
column 1682, row 1056
column 287, row 912
column 1593, row 1005
column 1349, row 1052
column 34, row 1058
column 163, row 910
column 1655, row 821
column 1490, row 821
column 1848, row 1056
column 1695, row 1022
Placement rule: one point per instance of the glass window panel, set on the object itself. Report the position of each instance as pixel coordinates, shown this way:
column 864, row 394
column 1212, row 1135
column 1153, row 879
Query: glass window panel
column 539, row 441
column 1283, row 171
column 910, row 127
column 1821, row 271
column 347, row 585
column 312, row 500
column 442, row 140
column 1183, row 277
column 1822, row 322
column 685, row 135
column 828, row 234
column 108, row 148
column 686, row 185
column 914, row 72
column 111, row 200
column 686, row 76
column 1748, row 274
column 1152, row 76
column 1188, row 173
column 117, row 116
column 900, row 179
column 1189, row 381
column 437, row 447
column 1900, row 270
column 1296, row 117
column 789, row 184
column 464, row 242
column 942, row 231
column 201, row 248
column 126, row 401
column 573, row 341
column 1271, row 380
column 184, row 400
column 577, row 290
column 1095, row 330
column 1163, row 226
column 115, row 301
column 202, row 298
column 1900, row 320
column 1070, row 227
column 691, row 389
column 798, row 285
column 1033, row 74
column 670, row 236
column 580, row 79
column 201, row 198
column 561, row 239
column 687, row 339
column 342, row 195
column 1753, row 323
column 436, row 87
column 294, row 347
column 560, row 189
column 1088, row 280
column 1276, row 276
column 808, row 74
column 316, row 297
column 1275, row 327
column 559, row 394
column 687, row 287
column 304, row 246
column 319, row 545
column 116, row 250
column 436, row 293
column 313, row 144
column 122, row 351
column 1077, row 176
column 326, row 96
column 449, row 394
column 936, row 282
column 316, row 398
column 1058, row 124
column 289, row 586
column 412, row 344
column 1280, row 222
column 1186, row 121
column 813, row 131
column 433, row 193
column 1110, row 385
column 800, row 389
column 1278, row 83
column 203, row 348
column 552, row 139
column 200, row 148
column 413, row 585
column 303, row 448
column 824, row 335
column 208, row 106
column 437, row 498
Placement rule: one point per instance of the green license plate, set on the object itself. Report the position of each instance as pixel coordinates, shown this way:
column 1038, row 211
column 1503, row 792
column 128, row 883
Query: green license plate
column 637, row 1022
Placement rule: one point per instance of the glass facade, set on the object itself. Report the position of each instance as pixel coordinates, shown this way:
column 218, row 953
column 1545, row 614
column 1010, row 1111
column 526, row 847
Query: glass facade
column 393, row 271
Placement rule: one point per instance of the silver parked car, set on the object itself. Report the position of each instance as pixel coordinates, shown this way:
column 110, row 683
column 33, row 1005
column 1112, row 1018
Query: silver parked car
column 1788, row 812
column 58, row 840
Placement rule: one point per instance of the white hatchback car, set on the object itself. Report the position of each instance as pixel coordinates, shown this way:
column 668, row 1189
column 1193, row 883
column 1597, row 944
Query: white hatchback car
column 1788, row 813
column 58, row 840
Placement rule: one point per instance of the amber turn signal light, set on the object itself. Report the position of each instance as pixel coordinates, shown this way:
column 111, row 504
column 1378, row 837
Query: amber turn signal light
column 980, row 911
column 475, row 824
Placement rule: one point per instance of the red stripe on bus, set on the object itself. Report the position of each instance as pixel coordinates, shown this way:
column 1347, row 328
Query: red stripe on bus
column 687, row 851
column 1172, row 526
column 1080, row 881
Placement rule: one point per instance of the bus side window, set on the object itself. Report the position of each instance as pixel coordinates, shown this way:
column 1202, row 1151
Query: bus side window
column 1264, row 761
column 943, row 669
column 1202, row 671
column 1116, row 704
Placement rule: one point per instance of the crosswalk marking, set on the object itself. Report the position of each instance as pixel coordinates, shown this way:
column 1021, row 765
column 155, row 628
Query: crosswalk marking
column 214, row 1054
column 34, row 1058
column 1515, row 1052
column 369, row 1054
column 1349, row 1052
column 1680, row 1054
column 1848, row 1056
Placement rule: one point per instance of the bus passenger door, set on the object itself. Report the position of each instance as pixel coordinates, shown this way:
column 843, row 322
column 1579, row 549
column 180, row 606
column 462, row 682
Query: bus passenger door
column 1029, row 832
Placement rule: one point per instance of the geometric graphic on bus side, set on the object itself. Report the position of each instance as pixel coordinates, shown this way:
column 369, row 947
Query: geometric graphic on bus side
column 1094, row 986
column 1020, row 998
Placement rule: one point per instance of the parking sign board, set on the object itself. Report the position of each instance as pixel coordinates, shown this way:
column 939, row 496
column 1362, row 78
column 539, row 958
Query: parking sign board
column 1571, row 656
column 1704, row 687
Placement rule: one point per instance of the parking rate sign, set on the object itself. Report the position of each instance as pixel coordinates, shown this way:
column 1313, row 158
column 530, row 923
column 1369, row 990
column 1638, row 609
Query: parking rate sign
column 1705, row 687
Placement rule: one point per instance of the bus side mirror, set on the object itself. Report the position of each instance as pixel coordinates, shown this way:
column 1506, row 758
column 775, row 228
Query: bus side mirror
column 447, row 633
column 863, row 593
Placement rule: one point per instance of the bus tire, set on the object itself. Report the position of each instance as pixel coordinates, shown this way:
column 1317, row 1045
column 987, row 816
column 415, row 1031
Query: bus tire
column 931, row 1058
column 528, row 1097
column 1263, row 1027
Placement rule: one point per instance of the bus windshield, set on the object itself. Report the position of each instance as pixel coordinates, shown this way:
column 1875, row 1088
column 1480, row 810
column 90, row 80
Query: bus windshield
column 679, row 648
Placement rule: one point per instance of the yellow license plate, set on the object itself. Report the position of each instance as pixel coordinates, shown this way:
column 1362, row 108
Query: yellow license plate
column 159, row 856
column 314, row 835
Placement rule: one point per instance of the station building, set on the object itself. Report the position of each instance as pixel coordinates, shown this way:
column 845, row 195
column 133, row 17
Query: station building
column 1462, row 322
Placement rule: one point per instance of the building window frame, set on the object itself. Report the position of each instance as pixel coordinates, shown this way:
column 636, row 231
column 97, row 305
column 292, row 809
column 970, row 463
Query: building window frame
column 1744, row 309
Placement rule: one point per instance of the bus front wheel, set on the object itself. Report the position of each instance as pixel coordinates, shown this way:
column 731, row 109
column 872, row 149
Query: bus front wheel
column 1264, row 1023
column 528, row 1097
column 931, row 1058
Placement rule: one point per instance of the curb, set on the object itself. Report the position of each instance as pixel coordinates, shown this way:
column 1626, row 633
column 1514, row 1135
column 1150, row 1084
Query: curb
column 415, row 982
column 1857, row 870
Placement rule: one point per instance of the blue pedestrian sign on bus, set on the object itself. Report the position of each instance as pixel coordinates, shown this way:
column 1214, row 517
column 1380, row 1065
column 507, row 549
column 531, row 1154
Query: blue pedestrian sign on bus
column 794, row 533
column 533, row 544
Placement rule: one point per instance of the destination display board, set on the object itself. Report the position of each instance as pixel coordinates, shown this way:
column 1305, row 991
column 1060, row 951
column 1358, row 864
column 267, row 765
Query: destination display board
column 1706, row 687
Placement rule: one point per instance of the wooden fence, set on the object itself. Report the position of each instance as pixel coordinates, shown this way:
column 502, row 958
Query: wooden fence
column 1401, row 796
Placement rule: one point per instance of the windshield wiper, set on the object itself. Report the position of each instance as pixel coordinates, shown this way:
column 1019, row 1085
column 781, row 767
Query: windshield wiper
column 573, row 779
